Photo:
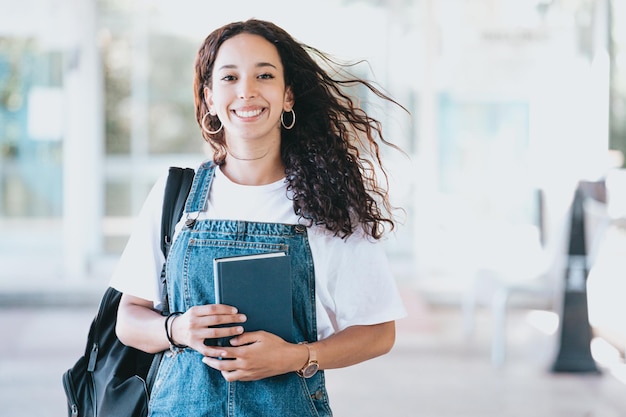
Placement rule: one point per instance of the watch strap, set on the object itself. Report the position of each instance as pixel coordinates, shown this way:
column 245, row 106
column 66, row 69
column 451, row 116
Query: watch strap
column 311, row 361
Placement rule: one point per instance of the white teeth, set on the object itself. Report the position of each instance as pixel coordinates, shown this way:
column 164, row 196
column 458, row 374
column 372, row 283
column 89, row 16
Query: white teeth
column 251, row 113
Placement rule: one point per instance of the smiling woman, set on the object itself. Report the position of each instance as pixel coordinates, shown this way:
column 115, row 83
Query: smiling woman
column 302, row 186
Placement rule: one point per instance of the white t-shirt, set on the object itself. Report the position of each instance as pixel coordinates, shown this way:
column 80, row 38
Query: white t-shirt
column 353, row 281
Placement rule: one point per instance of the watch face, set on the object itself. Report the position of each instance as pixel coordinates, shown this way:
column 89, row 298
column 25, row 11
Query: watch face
column 310, row 370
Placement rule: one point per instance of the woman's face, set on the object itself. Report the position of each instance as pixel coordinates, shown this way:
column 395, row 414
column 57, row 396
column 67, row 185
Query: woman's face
column 248, row 91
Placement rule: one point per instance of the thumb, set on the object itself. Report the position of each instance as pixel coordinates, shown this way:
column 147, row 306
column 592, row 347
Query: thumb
column 245, row 339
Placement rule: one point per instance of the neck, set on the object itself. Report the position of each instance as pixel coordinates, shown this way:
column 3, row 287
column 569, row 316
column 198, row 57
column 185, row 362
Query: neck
column 253, row 162
column 253, row 171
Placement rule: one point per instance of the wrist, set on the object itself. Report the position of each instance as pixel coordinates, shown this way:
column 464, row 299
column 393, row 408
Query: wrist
column 311, row 365
column 302, row 357
column 169, row 325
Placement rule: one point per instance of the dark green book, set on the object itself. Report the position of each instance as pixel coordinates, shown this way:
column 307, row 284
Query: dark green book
column 260, row 287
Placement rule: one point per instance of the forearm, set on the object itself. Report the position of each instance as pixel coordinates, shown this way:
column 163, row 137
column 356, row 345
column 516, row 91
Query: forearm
column 261, row 355
column 354, row 345
column 141, row 327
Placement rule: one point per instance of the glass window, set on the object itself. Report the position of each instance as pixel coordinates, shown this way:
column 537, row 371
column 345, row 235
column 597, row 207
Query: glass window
column 31, row 102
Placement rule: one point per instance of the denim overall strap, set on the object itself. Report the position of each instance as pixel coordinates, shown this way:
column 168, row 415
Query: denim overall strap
column 184, row 385
column 199, row 193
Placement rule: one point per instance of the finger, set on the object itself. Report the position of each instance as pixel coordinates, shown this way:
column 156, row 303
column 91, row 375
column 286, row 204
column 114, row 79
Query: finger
column 216, row 320
column 220, row 352
column 232, row 376
column 211, row 309
column 223, row 365
column 220, row 332
column 246, row 339
column 214, row 353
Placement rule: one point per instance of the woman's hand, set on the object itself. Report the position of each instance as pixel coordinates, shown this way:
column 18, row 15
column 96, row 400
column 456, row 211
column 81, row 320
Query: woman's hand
column 256, row 355
column 141, row 327
column 202, row 322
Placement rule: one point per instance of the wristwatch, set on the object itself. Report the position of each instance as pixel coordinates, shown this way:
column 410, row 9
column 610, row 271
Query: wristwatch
column 311, row 366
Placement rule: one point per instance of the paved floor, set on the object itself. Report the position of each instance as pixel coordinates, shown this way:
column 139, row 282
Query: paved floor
column 432, row 371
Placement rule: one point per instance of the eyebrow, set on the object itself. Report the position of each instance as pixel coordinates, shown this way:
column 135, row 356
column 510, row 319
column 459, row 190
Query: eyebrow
column 259, row 65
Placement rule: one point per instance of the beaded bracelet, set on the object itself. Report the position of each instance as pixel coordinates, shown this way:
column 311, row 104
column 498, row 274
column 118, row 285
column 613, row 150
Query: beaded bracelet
column 171, row 317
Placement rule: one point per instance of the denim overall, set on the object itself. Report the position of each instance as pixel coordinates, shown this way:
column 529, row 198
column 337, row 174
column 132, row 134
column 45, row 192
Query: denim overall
column 187, row 387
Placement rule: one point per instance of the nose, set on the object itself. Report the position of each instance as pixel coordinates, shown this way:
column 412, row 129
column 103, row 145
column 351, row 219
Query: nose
column 247, row 88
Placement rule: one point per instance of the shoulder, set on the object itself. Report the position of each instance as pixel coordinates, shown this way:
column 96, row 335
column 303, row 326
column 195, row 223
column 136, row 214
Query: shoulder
column 339, row 250
column 358, row 238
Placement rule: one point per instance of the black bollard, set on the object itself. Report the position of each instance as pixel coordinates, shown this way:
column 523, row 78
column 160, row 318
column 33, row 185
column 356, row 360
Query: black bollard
column 575, row 331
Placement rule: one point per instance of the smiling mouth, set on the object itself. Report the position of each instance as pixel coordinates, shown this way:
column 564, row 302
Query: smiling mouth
column 248, row 114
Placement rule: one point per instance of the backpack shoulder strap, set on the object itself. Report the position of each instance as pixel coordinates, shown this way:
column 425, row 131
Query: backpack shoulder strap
column 177, row 188
column 179, row 182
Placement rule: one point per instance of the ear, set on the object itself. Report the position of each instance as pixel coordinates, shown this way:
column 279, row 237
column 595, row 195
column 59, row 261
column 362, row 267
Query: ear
column 289, row 100
column 208, row 98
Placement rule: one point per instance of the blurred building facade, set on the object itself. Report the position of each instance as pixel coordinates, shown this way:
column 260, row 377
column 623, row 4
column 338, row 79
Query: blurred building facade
column 506, row 97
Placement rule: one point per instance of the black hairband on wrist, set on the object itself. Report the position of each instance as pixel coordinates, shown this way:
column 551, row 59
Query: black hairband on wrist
column 168, row 330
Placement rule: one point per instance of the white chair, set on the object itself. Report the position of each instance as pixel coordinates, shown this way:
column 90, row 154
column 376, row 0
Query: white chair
column 526, row 262
column 533, row 268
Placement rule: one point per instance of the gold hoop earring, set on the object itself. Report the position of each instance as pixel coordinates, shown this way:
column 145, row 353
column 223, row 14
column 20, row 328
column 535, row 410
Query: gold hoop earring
column 293, row 119
column 210, row 132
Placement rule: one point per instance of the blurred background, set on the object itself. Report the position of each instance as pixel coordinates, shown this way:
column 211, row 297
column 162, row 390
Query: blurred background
column 514, row 104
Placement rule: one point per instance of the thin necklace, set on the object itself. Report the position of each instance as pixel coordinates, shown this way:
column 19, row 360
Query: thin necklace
column 248, row 159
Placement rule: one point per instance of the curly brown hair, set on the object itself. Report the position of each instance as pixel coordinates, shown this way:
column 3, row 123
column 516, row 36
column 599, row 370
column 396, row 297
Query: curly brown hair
column 332, row 152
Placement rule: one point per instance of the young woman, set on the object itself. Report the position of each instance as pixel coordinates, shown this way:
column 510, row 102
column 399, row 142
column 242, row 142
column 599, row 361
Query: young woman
column 292, row 170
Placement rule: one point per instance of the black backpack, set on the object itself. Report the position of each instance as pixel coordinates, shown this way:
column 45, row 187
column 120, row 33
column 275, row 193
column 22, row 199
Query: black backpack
column 111, row 379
